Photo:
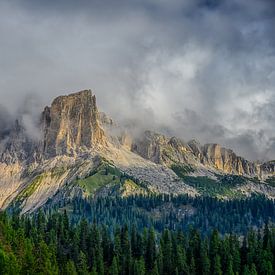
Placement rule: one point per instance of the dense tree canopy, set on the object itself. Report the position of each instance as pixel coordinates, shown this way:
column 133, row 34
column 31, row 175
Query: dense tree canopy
column 51, row 244
column 175, row 213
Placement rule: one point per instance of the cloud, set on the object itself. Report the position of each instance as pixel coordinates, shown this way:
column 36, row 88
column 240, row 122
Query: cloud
column 29, row 115
column 203, row 68
column 5, row 122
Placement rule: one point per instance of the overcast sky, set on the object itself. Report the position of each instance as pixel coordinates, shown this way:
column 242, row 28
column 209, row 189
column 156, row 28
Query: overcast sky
column 195, row 69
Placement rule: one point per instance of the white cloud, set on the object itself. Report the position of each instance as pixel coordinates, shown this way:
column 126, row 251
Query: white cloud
column 208, row 64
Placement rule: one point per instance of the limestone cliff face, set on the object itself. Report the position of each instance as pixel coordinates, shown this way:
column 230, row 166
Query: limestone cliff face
column 10, row 181
column 18, row 146
column 268, row 168
column 162, row 150
column 74, row 134
column 149, row 146
column 227, row 161
column 69, row 126
column 72, row 124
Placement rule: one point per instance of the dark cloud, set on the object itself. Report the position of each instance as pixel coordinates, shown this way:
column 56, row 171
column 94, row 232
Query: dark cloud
column 6, row 121
column 198, row 68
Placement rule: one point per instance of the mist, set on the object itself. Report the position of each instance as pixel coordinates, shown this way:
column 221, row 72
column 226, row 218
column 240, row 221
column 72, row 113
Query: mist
column 194, row 69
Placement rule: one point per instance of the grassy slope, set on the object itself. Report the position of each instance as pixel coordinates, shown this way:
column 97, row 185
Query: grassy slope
column 222, row 187
column 31, row 187
column 92, row 183
column 108, row 175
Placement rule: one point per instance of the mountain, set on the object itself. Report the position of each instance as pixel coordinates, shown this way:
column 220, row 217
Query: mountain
column 82, row 152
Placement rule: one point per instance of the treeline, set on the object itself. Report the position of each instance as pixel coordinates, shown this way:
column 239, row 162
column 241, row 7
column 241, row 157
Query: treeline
column 52, row 245
column 175, row 213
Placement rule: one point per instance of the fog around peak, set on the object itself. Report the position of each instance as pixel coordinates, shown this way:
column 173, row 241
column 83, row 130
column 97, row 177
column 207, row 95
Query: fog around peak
column 196, row 69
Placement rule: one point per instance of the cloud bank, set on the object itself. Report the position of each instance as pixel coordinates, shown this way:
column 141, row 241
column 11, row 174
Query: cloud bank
column 201, row 69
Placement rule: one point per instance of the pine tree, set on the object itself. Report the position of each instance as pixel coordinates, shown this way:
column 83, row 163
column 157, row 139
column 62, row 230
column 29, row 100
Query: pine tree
column 3, row 261
column 70, row 268
column 114, row 270
column 125, row 251
column 235, row 252
column 253, row 270
column 83, row 235
column 252, row 247
column 11, row 265
column 44, row 263
column 217, row 269
column 181, row 260
column 194, row 245
column 160, row 261
column 167, row 252
column 246, row 270
column 94, row 272
column 139, row 267
column 214, row 246
column 150, row 252
column 28, row 264
column 95, row 250
column 117, row 244
column 204, row 267
column 229, row 269
column 155, row 269
column 82, row 264
column 266, row 237
column 192, row 268
column 41, row 222
column 107, row 247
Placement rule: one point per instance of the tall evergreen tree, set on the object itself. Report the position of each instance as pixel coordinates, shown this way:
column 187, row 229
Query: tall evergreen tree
column 150, row 252
column 114, row 270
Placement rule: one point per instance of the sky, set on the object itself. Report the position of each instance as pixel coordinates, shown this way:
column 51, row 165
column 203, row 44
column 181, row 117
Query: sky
column 202, row 69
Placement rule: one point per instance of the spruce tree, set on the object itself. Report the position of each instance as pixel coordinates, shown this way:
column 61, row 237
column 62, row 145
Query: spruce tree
column 114, row 270
column 82, row 264
column 139, row 267
column 150, row 252
column 70, row 268
column 204, row 266
column 217, row 269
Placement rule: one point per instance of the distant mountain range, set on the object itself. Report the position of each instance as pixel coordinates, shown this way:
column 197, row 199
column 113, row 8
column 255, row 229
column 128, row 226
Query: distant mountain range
column 83, row 152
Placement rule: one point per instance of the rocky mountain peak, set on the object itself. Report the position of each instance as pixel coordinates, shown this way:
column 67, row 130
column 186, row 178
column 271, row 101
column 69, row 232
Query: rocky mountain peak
column 18, row 146
column 72, row 124
column 75, row 137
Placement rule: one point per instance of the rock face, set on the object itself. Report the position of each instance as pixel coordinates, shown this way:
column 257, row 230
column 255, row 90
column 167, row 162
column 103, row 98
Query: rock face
column 74, row 135
column 161, row 149
column 72, row 124
column 167, row 151
column 268, row 168
column 9, row 182
column 150, row 146
column 18, row 146
column 227, row 161
column 69, row 126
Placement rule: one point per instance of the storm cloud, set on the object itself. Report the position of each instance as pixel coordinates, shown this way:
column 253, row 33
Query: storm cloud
column 196, row 68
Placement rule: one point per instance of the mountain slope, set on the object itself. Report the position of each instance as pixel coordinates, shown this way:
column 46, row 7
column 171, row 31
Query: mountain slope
column 76, row 139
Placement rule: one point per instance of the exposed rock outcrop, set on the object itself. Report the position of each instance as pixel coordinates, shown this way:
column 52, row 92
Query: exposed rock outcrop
column 74, row 134
column 227, row 161
column 19, row 147
column 150, row 146
column 164, row 150
column 72, row 124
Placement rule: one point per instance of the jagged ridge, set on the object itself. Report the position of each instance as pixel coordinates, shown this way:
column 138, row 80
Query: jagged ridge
column 74, row 134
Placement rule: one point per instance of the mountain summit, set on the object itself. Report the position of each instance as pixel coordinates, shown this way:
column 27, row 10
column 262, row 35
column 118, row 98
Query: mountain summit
column 72, row 123
column 79, row 146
